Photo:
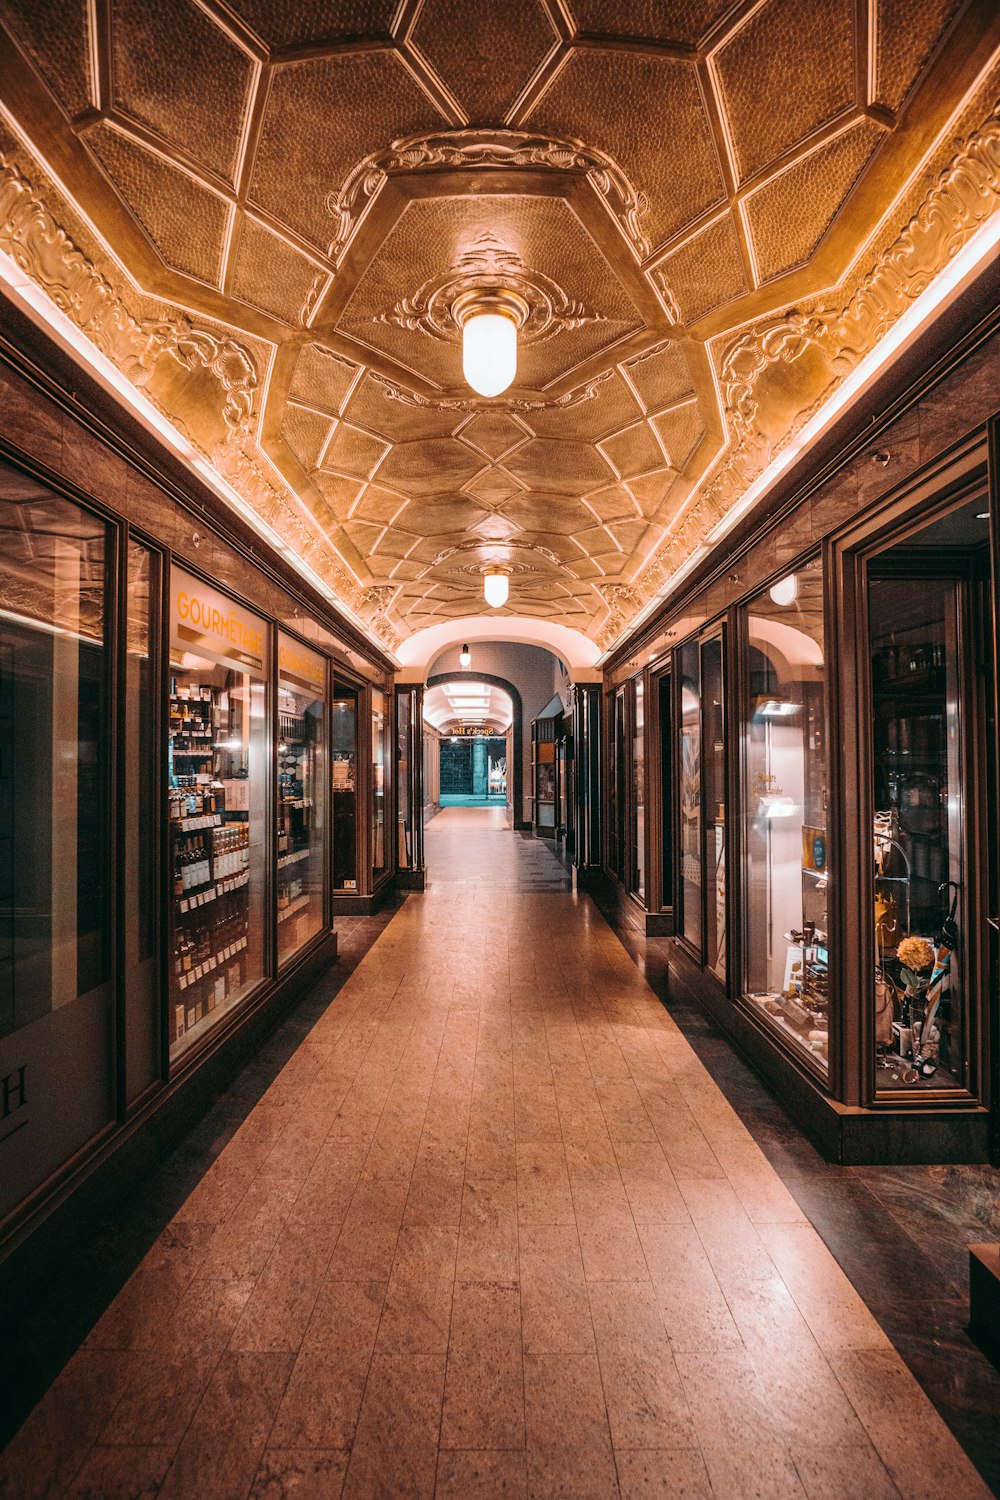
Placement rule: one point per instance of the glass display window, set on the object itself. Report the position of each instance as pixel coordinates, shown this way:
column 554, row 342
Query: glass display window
column 714, row 772
column 56, row 1020
column 141, row 812
column 690, row 925
column 786, row 869
column 638, row 874
column 381, row 730
column 404, row 816
column 301, row 800
column 218, row 753
column 344, row 781
column 926, row 671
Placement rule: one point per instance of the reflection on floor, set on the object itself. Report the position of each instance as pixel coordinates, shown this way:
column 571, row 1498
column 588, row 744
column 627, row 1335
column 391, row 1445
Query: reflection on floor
column 491, row 1229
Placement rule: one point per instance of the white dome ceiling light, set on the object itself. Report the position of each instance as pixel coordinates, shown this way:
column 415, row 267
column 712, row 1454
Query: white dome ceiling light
column 489, row 321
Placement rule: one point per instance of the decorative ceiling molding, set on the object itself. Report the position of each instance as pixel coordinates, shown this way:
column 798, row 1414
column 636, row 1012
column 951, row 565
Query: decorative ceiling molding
column 488, row 150
column 31, row 235
column 775, row 376
column 393, row 392
column 676, row 221
column 486, row 266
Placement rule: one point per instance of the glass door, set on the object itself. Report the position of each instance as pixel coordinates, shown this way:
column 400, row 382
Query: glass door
column 689, row 800
column 301, row 794
column 344, row 766
column 714, row 770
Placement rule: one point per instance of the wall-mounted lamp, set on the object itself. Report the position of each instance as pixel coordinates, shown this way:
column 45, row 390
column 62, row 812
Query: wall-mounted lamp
column 785, row 591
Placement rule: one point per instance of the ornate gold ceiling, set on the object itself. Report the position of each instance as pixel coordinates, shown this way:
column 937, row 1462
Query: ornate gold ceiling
column 264, row 209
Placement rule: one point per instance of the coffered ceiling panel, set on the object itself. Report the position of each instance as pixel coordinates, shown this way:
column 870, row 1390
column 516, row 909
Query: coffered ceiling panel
column 186, row 222
column 174, row 70
column 672, row 154
column 265, row 210
column 437, row 244
column 321, row 118
column 459, row 42
column 685, row 21
column 788, row 70
column 295, row 23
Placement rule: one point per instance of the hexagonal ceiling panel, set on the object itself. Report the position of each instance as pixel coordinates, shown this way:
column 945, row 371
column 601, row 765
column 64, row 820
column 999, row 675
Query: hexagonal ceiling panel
column 284, row 199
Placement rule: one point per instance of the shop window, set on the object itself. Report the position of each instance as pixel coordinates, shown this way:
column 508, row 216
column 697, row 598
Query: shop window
column 404, row 810
column 301, row 803
column 380, row 760
column 666, row 793
column 714, row 770
column 56, row 1031
column 926, row 692
column 638, row 873
column 344, row 750
column 785, row 808
column 689, row 795
column 218, row 753
column 141, row 813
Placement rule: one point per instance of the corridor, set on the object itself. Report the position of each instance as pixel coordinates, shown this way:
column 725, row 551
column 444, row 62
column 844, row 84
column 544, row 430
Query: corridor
column 492, row 1231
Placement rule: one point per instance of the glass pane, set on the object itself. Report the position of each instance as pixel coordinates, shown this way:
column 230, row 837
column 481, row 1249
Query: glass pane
column 714, row 759
column 55, row 992
column 666, row 794
column 638, row 795
column 345, row 802
column 785, row 803
column 404, row 714
column 142, row 1043
column 379, row 730
column 218, row 752
column 301, row 794
column 918, row 801
column 689, row 790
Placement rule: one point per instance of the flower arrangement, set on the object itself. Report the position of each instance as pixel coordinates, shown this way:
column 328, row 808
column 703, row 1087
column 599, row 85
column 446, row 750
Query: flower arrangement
column 916, row 960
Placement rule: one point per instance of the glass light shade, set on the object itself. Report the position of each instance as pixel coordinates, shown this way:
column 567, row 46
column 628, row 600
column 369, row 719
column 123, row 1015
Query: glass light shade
column 786, row 590
column 496, row 587
column 489, row 352
column 465, row 657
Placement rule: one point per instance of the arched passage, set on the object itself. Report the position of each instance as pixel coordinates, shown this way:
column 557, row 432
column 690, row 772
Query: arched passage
column 517, row 770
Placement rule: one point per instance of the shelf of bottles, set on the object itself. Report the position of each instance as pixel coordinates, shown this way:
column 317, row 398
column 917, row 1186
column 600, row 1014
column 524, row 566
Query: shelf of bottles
column 216, row 753
column 210, row 848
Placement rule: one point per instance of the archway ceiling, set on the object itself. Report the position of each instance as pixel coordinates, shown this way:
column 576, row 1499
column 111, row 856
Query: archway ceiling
column 281, row 195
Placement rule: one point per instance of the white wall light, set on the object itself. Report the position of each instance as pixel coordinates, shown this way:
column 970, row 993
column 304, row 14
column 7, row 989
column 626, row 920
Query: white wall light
column 786, row 590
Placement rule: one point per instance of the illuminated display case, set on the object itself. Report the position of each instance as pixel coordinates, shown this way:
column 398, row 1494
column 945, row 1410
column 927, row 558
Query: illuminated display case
column 301, row 793
column 218, row 750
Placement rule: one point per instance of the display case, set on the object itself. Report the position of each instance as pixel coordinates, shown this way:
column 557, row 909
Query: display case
column 301, row 794
column 690, row 926
column 785, row 864
column 218, row 752
column 381, row 761
column 714, row 802
column 637, row 873
column 344, row 779
column 925, row 689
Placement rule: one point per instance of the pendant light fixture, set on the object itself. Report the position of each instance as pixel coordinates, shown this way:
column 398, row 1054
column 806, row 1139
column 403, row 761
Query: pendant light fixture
column 496, row 587
column 489, row 320
column 465, row 657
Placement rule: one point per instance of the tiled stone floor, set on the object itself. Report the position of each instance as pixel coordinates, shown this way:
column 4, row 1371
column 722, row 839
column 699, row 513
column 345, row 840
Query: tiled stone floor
column 491, row 1230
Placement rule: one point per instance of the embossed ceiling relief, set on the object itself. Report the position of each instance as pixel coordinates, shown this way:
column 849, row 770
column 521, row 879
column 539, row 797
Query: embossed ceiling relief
column 264, row 211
